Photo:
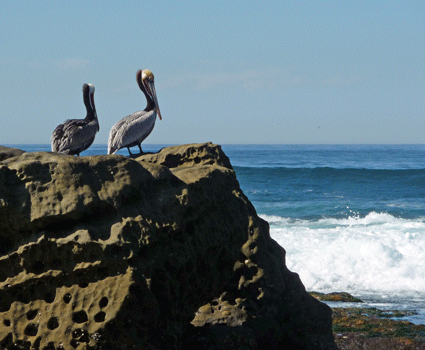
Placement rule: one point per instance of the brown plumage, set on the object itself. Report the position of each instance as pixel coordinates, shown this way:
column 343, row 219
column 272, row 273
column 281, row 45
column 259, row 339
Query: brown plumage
column 76, row 135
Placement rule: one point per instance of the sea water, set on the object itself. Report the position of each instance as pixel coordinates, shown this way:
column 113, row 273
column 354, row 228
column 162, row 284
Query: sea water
column 350, row 217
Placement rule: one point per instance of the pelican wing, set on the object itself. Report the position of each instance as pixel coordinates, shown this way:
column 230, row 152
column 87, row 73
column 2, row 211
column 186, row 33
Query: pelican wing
column 57, row 137
column 75, row 135
column 130, row 130
column 115, row 136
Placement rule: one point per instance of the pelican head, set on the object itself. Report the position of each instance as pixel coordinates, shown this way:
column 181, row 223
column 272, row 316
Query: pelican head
column 147, row 79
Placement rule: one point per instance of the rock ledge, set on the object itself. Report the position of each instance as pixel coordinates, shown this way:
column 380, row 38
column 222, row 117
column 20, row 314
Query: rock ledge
column 159, row 252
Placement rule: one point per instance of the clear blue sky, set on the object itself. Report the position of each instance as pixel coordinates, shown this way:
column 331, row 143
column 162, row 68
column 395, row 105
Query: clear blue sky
column 225, row 71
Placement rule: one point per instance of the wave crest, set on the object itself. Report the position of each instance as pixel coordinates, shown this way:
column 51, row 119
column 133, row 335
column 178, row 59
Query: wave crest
column 376, row 253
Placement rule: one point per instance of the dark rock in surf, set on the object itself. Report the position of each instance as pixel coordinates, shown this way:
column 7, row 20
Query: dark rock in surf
column 336, row 296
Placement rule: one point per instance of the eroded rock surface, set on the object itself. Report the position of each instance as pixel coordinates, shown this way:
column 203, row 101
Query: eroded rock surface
column 159, row 252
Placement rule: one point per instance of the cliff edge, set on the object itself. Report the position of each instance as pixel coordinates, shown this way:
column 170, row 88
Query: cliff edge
column 159, row 252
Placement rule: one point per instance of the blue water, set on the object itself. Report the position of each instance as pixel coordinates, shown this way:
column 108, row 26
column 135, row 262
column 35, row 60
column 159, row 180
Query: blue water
column 311, row 182
column 350, row 217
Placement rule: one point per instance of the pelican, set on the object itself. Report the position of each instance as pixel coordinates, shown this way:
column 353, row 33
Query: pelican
column 133, row 129
column 76, row 135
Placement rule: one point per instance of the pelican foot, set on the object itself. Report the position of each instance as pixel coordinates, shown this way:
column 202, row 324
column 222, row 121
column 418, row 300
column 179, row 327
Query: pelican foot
column 135, row 155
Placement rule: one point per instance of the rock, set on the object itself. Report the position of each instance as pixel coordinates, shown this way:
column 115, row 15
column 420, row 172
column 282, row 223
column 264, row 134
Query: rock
column 336, row 296
column 371, row 328
column 7, row 152
column 159, row 252
column 193, row 156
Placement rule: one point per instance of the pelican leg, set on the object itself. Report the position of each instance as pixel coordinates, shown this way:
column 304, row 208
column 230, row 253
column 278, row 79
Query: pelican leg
column 141, row 152
column 131, row 154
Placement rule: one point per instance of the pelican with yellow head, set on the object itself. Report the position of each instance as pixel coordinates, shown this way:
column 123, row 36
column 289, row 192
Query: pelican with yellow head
column 133, row 129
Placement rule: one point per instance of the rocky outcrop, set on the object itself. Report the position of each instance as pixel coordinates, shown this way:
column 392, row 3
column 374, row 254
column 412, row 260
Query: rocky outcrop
column 7, row 152
column 159, row 252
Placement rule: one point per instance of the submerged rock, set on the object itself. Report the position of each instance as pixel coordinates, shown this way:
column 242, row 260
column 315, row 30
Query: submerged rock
column 159, row 252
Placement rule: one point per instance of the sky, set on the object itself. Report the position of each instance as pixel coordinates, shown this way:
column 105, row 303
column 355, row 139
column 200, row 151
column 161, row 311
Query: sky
column 229, row 72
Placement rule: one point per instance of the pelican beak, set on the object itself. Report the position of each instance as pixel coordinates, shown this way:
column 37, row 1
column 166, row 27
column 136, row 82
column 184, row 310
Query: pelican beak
column 152, row 88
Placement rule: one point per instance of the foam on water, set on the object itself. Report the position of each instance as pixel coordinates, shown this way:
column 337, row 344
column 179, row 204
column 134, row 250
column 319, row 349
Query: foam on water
column 375, row 254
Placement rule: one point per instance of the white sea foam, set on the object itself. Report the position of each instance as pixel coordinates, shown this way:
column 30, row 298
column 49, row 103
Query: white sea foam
column 378, row 254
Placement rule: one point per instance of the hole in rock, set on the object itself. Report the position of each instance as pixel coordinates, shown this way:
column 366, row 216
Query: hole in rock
column 67, row 298
column 20, row 344
column 4, row 306
column 76, row 333
column 53, row 323
column 31, row 330
column 31, row 314
column 100, row 316
column 85, row 338
column 6, row 323
column 80, row 316
column 7, row 341
column 49, row 297
column 74, row 343
column 50, row 346
column 103, row 302
column 36, row 344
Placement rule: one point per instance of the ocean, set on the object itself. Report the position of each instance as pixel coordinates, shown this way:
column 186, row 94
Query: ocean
column 350, row 217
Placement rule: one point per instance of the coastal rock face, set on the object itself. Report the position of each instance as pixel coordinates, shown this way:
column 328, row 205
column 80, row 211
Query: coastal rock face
column 159, row 252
